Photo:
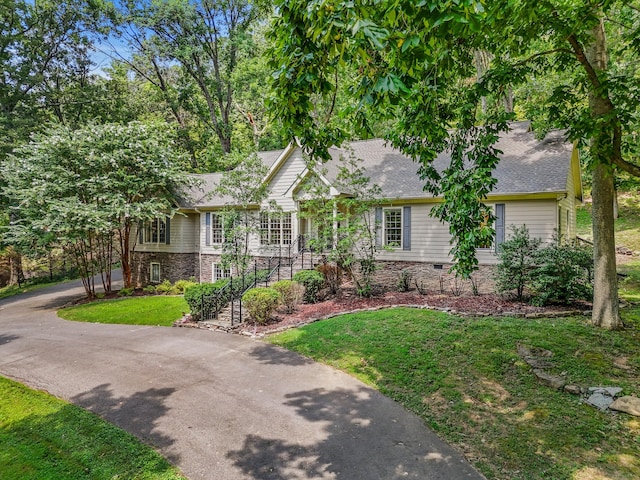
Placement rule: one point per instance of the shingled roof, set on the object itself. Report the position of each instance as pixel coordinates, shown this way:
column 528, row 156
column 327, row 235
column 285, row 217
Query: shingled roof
column 201, row 194
column 527, row 165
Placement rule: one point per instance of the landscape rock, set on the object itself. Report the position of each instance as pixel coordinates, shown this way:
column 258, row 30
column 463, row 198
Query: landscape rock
column 609, row 391
column 600, row 400
column 549, row 380
column 627, row 404
column 573, row 389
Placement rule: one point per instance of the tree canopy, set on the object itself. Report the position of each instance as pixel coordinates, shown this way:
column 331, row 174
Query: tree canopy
column 415, row 64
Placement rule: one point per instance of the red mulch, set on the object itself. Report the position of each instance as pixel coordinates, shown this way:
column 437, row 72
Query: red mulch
column 347, row 300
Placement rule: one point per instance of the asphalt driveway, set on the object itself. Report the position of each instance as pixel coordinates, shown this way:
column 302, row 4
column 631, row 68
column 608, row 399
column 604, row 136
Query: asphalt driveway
column 219, row 406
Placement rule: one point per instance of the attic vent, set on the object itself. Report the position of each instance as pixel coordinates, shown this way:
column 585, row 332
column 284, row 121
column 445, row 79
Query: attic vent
column 437, row 267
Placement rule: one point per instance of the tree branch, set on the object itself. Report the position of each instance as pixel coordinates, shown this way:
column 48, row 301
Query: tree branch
column 628, row 167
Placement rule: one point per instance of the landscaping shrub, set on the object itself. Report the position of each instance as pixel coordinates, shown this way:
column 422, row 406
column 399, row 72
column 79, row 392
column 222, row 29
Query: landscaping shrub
column 517, row 258
column 558, row 272
column 149, row 289
column 164, row 287
column 180, row 286
column 125, row 292
column 261, row 303
column 291, row 293
column 404, row 281
column 312, row 280
column 201, row 297
column 332, row 275
column 564, row 273
column 206, row 297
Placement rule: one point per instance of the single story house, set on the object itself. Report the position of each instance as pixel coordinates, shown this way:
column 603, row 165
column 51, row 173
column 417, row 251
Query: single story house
column 538, row 185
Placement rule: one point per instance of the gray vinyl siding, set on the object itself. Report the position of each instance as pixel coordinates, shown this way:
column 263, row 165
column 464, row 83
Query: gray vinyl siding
column 430, row 239
column 184, row 236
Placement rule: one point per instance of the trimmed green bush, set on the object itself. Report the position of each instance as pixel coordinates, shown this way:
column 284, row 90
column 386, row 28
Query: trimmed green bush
column 203, row 296
column 291, row 293
column 261, row 303
column 149, row 289
column 164, row 287
column 312, row 280
column 517, row 262
column 180, row 286
column 125, row 292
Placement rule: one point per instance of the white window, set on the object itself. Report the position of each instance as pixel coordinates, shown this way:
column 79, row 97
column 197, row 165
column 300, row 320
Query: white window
column 217, row 230
column 275, row 229
column 155, row 272
column 155, row 231
column 392, row 227
column 218, row 272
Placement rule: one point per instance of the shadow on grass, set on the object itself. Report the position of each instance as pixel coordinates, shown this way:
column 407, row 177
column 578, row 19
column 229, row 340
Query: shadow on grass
column 363, row 436
column 138, row 414
column 54, row 439
column 271, row 355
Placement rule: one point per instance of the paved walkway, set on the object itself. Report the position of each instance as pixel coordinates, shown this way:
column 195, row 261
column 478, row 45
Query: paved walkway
column 219, row 406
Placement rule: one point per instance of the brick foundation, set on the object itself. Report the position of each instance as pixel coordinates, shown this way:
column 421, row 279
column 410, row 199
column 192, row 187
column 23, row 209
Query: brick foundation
column 173, row 266
column 434, row 279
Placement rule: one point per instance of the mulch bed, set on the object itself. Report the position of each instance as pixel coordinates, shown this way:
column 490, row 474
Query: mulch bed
column 347, row 301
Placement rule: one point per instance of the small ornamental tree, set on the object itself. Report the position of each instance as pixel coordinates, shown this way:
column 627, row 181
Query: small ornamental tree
column 346, row 224
column 87, row 190
column 517, row 257
column 246, row 191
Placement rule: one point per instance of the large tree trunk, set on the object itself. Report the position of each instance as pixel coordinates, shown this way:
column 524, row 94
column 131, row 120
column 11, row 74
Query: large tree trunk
column 605, row 287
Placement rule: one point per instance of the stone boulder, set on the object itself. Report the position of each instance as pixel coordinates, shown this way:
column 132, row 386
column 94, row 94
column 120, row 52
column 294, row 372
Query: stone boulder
column 627, row 404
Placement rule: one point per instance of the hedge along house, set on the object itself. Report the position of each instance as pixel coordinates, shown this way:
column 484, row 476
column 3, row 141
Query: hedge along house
column 538, row 185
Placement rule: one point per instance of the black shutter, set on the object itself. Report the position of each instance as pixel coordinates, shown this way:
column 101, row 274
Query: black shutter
column 167, row 230
column 406, row 228
column 499, row 225
column 140, row 232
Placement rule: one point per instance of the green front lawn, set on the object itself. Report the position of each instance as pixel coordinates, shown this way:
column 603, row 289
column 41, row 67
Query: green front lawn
column 42, row 437
column 11, row 290
column 465, row 379
column 151, row 310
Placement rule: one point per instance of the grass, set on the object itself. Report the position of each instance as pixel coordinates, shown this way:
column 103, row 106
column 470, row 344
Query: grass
column 150, row 310
column 11, row 290
column 42, row 437
column 627, row 225
column 465, row 379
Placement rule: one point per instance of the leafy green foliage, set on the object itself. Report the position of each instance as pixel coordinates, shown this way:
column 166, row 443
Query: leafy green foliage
column 346, row 225
column 87, row 190
column 517, row 256
column 291, row 294
column 204, row 297
column 125, row 292
column 245, row 188
column 180, row 286
column 261, row 303
column 313, row 281
column 564, row 272
column 164, row 287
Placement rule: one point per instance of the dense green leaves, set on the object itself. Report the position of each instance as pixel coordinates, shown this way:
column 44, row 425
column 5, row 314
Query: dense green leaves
column 87, row 189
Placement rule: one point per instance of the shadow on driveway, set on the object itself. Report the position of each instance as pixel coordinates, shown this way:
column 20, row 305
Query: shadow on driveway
column 361, row 443
column 138, row 413
column 273, row 355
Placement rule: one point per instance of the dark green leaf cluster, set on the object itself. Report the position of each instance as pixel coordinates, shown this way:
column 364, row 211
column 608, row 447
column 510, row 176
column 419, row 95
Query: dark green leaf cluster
column 555, row 273
column 313, row 281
